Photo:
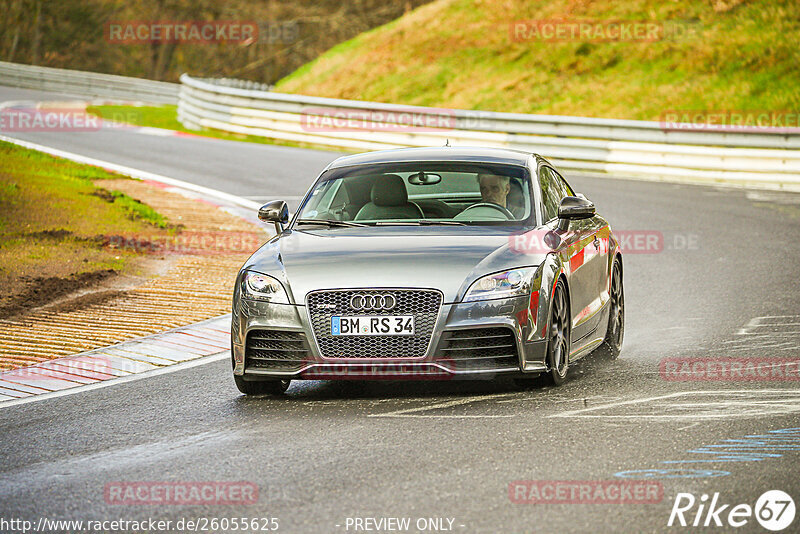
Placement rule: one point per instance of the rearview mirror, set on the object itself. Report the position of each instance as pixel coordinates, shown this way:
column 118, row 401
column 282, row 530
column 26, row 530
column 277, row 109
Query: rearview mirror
column 275, row 212
column 573, row 209
column 424, row 178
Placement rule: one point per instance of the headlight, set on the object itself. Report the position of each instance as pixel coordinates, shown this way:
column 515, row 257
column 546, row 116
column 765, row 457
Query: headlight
column 262, row 287
column 506, row 284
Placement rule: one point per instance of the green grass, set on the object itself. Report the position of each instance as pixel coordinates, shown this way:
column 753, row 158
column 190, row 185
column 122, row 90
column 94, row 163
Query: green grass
column 53, row 214
column 167, row 117
column 740, row 55
column 138, row 210
column 57, row 182
column 135, row 209
column 154, row 116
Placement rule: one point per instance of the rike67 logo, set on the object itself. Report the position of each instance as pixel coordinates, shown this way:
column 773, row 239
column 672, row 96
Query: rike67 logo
column 774, row 510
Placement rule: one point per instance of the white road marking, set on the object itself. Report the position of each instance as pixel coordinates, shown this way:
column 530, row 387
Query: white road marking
column 759, row 331
column 795, row 319
column 415, row 412
column 135, row 173
column 121, row 380
column 750, row 403
column 142, row 175
column 596, row 398
column 149, row 130
column 766, row 321
column 778, row 198
column 779, row 332
column 432, row 416
column 266, row 199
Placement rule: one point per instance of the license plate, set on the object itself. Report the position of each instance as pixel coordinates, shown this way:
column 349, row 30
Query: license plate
column 372, row 325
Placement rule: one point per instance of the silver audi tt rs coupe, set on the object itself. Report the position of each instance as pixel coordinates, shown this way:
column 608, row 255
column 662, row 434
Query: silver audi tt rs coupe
column 428, row 263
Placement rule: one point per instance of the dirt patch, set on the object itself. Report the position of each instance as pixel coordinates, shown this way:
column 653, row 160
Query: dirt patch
column 169, row 281
column 39, row 291
column 80, row 302
column 54, row 215
column 105, row 194
column 52, row 234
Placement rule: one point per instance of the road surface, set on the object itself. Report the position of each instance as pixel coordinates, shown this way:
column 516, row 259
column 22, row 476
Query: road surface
column 723, row 284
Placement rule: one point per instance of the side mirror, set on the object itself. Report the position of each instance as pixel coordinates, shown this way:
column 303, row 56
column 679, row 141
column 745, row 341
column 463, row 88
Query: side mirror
column 275, row 212
column 573, row 209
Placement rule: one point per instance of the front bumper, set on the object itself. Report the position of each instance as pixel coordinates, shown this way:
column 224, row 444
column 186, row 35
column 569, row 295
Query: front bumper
column 508, row 320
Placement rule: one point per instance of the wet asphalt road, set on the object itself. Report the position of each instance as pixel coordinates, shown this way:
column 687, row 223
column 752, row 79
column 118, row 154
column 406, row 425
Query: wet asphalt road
column 723, row 285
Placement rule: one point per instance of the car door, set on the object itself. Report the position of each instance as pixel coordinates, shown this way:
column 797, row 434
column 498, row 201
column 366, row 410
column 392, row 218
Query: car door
column 573, row 249
column 593, row 271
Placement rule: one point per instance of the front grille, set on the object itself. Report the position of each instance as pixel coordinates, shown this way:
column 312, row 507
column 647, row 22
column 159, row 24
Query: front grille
column 423, row 304
column 478, row 349
column 276, row 349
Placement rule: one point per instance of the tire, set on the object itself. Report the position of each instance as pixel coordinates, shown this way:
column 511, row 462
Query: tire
column 558, row 338
column 615, row 332
column 274, row 386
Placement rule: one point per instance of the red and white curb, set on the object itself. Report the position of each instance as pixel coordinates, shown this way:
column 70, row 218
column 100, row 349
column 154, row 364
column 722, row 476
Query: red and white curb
column 166, row 352
column 205, row 340
column 161, row 353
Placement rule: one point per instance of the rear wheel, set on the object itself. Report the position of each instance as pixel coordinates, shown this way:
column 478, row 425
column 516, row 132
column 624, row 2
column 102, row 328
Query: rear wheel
column 558, row 341
column 274, row 386
column 612, row 343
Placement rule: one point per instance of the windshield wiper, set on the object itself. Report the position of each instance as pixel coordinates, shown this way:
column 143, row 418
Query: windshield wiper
column 429, row 222
column 330, row 222
column 420, row 222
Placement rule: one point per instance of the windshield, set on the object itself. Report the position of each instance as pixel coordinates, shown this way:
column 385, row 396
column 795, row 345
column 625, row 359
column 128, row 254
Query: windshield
column 421, row 193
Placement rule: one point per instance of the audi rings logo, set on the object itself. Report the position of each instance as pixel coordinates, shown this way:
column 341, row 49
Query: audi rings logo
column 373, row 302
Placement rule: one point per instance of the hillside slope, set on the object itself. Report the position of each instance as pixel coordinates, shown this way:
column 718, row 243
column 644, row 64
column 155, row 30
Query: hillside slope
column 732, row 55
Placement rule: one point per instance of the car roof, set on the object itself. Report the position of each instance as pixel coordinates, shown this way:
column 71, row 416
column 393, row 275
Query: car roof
column 446, row 153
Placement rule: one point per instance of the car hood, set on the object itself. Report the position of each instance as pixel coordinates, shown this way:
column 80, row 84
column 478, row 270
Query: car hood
column 444, row 258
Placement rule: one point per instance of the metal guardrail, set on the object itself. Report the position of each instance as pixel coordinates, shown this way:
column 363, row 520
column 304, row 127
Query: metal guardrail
column 621, row 147
column 88, row 84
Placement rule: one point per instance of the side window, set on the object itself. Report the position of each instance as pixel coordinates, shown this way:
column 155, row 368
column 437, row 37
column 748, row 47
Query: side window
column 551, row 194
column 563, row 185
column 340, row 203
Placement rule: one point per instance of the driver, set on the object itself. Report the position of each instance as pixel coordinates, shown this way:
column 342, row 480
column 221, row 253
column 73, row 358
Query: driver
column 494, row 188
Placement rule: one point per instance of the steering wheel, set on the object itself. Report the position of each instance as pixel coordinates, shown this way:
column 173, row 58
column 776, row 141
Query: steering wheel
column 507, row 214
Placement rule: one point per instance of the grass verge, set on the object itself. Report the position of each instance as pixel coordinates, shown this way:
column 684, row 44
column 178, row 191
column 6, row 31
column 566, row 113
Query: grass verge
column 720, row 55
column 54, row 215
column 167, row 117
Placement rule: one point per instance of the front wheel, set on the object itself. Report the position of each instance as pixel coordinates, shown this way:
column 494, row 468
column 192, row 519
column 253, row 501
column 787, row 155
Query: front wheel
column 558, row 342
column 612, row 344
column 274, row 386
